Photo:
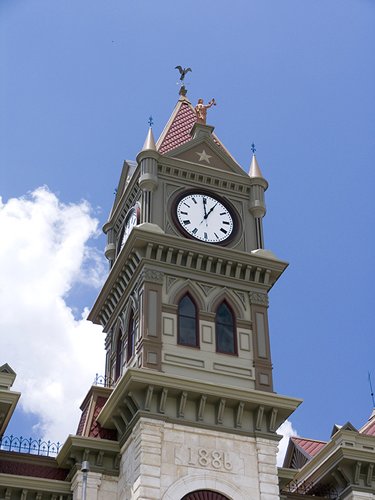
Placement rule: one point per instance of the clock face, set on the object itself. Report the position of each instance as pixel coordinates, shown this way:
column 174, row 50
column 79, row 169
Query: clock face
column 205, row 218
column 131, row 220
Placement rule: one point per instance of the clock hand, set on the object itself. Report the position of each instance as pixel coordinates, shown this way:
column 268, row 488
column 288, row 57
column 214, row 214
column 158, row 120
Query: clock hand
column 208, row 213
column 204, row 206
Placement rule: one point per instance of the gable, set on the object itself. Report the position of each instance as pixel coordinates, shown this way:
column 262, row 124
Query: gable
column 203, row 154
column 204, row 149
column 183, row 133
column 300, row 451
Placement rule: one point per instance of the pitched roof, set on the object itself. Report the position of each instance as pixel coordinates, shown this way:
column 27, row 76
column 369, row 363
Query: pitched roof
column 310, row 446
column 177, row 130
column 300, row 451
column 369, row 427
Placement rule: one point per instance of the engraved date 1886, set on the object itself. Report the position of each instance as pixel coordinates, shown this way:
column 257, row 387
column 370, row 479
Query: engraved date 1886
column 214, row 459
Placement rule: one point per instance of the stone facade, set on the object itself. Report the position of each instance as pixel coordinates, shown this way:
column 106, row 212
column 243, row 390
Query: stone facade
column 166, row 461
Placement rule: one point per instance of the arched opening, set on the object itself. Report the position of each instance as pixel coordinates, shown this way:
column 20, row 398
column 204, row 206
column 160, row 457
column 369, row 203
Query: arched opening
column 226, row 339
column 187, row 322
column 118, row 359
column 131, row 337
column 204, row 495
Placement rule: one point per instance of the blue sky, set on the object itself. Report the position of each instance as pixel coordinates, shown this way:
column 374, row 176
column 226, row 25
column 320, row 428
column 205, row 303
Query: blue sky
column 79, row 81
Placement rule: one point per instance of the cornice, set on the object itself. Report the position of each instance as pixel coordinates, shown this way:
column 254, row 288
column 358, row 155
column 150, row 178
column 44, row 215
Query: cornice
column 103, row 455
column 204, row 175
column 134, row 377
column 86, row 443
column 169, row 253
column 35, row 483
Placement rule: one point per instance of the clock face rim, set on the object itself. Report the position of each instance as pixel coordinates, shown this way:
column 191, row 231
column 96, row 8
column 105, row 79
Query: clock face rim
column 134, row 209
column 227, row 205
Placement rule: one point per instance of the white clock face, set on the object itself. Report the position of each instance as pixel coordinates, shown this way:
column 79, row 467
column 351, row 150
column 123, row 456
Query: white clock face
column 131, row 220
column 205, row 218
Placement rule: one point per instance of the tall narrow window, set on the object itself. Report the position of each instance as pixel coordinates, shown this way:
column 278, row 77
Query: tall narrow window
column 187, row 322
column 225, row 330
column 118, row 359
column 131, row 337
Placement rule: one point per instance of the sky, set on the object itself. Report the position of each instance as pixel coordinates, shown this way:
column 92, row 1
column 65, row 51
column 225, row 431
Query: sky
column 79, row 82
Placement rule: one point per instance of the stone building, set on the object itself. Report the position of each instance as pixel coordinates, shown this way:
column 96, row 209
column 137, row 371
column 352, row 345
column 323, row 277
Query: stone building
column 187, row 408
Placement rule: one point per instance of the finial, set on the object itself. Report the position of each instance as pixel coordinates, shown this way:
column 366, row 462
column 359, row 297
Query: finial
column 150, row 141
column 150, row 121
column 183, row 72
column 254, row 170
column 201, row 110
column 253, row 149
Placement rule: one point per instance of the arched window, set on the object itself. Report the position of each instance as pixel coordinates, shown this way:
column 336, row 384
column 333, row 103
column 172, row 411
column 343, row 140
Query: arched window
column 131, row 337
column 187, row 322
column 118, row 359
column 226, row 341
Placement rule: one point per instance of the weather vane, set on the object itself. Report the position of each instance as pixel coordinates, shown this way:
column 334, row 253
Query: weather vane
column 183, row 72
column 371, row 390
column 253, row 148
column 150, row 121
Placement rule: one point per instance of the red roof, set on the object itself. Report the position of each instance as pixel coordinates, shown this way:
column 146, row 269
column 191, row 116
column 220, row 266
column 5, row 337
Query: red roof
column 178, row 131
column 369, row 427
column 309, row 446
column 96, row 430
column 21, row 466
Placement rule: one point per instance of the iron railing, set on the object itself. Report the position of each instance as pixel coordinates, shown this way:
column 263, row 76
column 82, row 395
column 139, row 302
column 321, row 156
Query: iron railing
column 29, row 445
column 308, row 488
column 103, row 380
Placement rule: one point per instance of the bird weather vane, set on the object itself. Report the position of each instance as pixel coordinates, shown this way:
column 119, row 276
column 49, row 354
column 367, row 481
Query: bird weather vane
column 183, row 72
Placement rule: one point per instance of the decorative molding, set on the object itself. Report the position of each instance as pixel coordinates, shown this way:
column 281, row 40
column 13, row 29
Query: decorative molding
column 259, row 420
column 241, row 296
column 205, row 288
column 151, row 275
column 202, row 405
column 222, row 183
column 239, row 416
column 169, row 282
column 258, row 298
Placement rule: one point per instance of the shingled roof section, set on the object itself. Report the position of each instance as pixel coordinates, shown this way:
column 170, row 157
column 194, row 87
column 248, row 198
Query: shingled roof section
column 177, row 130
column 369, row 427
column 309, row 446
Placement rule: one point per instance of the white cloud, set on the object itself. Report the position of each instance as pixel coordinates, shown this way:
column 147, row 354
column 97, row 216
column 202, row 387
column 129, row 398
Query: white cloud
column 286, row 430
column 43, row 253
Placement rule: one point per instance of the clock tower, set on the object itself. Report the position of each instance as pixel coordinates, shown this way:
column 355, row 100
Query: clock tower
column 184, row 309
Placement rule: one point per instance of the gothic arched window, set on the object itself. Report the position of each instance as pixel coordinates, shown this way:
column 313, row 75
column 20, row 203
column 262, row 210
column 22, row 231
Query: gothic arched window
column 187, row 322
column 118, row 359
column 131, row 337
column 226, row 341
